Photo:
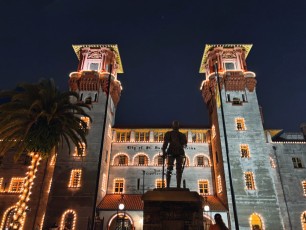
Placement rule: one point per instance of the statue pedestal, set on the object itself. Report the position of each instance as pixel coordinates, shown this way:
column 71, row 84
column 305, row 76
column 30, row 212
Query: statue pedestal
column 172, row 208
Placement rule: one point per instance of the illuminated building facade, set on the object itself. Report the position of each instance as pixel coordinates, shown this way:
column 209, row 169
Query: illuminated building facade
column 266, row 168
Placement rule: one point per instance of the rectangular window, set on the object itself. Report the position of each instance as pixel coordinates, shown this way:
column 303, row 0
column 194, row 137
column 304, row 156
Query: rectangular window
column 123, row 136
column 297, row 163
column 200, row 161
column 118, row 185
column 75, row 178
column 141, row 160
column 16, row 184
column 219, row 184
column 160, row 160
column 159, row 136
column 249, row 181
column 142, row 136
column 82, row 151
column 94, row 66
column 203, row 187
column 198, row 137
column 1, row 184
column 229, row 66
column 87, row 122
column 159, row 183
column 304, row 187
column 244, row 150
column 240, row 125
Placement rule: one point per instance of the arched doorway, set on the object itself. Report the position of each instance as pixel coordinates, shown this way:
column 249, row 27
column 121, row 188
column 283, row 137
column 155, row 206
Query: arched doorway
column 256, row 222
column 120, row 221
column 303, row 220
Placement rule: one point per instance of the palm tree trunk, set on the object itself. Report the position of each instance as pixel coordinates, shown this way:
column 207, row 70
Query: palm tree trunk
column 20, row 211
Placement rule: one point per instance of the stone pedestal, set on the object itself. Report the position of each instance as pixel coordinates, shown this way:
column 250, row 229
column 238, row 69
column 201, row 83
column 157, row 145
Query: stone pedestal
column 172, row 208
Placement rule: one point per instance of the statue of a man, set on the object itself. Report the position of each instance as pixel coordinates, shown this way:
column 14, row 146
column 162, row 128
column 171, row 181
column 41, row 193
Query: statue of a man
column 177, row 141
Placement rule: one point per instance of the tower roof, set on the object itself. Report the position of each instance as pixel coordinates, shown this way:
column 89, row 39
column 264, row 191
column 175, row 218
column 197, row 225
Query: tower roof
column 208, row 47
column 114, row 47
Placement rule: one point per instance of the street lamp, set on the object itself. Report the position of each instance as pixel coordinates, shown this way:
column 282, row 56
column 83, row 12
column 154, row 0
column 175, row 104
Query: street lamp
column 121, row 213
column 206, row 209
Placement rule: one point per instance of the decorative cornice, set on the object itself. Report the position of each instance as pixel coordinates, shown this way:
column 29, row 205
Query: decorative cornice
column 114, row 47
column 209, row 47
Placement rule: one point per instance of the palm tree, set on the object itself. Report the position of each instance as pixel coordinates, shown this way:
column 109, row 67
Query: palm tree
column 37, row 119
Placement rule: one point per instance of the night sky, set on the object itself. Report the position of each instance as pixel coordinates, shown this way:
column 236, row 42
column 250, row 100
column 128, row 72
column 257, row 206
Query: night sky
column 161, row 44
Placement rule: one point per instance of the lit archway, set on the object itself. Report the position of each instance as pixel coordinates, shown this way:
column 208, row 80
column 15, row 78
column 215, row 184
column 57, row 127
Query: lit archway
column 68, row 220
column 256, row 222
column 120, row 221
column 207, row 221
column 303, row 220
column 7, row 218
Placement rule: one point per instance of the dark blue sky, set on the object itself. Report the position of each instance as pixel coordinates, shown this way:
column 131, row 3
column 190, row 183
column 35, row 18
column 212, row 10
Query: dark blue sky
column 161, row 45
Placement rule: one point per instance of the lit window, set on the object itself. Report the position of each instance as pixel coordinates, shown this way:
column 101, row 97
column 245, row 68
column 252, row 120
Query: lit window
column 249, row 181
column 229, row 66
column 244, row 150
column 16, row 184
column 68, row 220
column 123, row 136
column 121, row 160
column 213, row 131
column 240, row 125
column 159, row 183
column 1, row 183
column 75, row 178
column 81, row 152
column 198, row 137
column 297, row 163
column 142, row 160
column 118, row 185
column 304, row 187
column 219, row 184
column 53, row 160
column 272, row 163
column 160, row 160
column 200, row 161
column 255, row 222
column 303, row 220
column 86, row 124
column 159, row 136
column 142, row 136
column 203, row 187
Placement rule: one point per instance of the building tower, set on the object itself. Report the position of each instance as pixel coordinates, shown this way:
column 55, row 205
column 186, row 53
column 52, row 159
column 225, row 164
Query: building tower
column 79, row 182
column 252, row 190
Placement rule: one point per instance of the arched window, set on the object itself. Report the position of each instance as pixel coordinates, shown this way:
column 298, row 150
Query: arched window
column 141, row 159
column 201, row 161
column 255, row 222
column 158, row 160
column 121, row 160
column 303, row 220
column 7, row 219
column 68, row 220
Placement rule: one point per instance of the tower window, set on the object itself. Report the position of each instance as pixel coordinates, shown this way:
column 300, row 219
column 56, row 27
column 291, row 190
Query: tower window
column 297, row 163
column 87, row 122
column 159, row 183
column 240, row 125
column 118, row 185
column 81, row 152
column 229, row 66
column 68, row 220
column 75, row 178
column 304, row 187
column 94, row 66
column 16, row 184
column 203, row 187
column 244, row 150
column 219, row 184
column 249, row 181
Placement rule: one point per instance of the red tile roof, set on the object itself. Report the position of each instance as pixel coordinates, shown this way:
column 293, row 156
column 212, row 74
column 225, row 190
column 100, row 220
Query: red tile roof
column 131, row 202
column 215, row 204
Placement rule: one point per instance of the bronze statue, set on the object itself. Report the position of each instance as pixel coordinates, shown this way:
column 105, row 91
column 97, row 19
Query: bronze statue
column 177, row 142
